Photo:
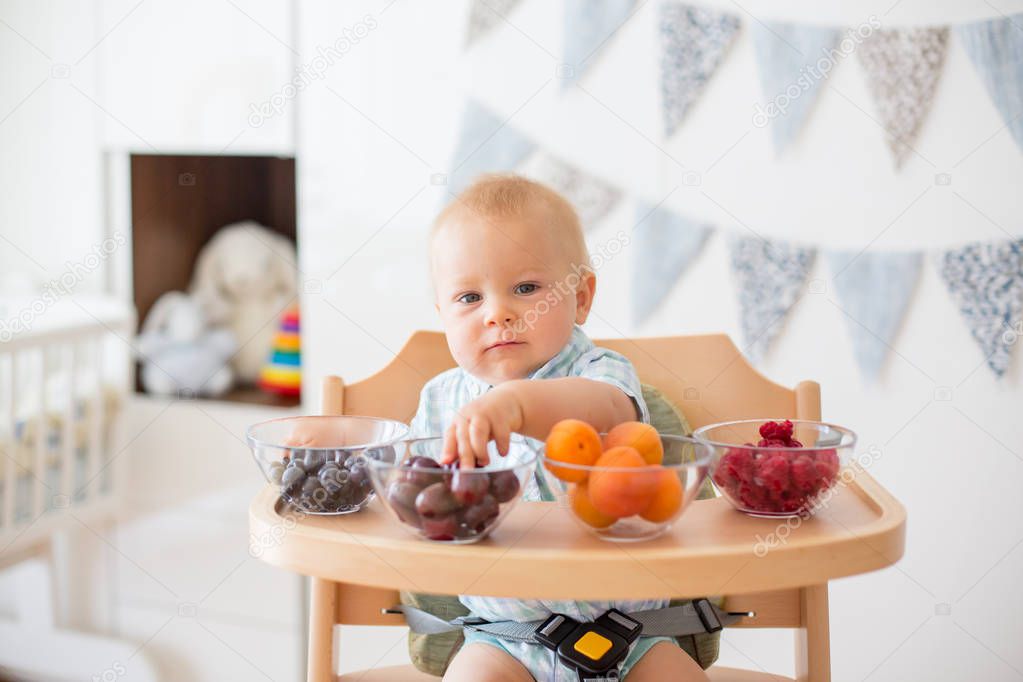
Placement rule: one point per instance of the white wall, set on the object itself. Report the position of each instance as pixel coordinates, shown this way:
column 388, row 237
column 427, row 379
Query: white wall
column 366, row 153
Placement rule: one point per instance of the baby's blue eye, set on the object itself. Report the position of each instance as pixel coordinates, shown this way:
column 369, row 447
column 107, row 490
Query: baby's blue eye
column 526, row 288
column 469, row 298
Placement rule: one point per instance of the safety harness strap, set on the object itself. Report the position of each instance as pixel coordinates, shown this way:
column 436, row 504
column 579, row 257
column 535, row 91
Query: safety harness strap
column 696, row 617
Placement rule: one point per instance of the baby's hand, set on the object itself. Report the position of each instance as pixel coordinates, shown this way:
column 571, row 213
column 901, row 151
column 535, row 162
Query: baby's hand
column 312, row 432
column 493, row 417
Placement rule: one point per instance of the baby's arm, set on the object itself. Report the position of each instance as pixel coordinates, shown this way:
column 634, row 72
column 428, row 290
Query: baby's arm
column 532, row 407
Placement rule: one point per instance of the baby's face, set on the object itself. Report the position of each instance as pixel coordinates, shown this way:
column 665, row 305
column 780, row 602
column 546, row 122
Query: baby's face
column 503, row 294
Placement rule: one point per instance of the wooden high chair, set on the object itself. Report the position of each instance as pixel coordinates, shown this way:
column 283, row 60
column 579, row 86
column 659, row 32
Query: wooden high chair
column 358, row 562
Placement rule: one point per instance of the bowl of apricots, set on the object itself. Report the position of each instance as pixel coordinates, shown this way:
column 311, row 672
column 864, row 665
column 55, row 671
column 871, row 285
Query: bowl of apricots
column 778, row 468
column 629, row 484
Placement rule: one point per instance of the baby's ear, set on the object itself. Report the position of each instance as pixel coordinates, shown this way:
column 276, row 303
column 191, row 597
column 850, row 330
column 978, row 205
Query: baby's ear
column 584, row 297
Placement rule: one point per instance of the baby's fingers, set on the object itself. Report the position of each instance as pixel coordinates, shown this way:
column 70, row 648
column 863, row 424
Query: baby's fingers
column 466, row 458
column 449, row 450
column 479, row 436
column 502, row 438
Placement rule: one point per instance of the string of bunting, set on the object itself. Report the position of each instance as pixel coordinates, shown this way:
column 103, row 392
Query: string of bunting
column 902, row 65
column 874, row 288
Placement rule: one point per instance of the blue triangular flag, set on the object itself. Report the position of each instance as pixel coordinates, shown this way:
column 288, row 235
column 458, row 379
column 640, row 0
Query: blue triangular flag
column 664, row 244
column 588, row 25
column 769, row 276
column 873, row 292
column 996, row 48
column 794, row 60
column 484, row 15
column 486, row 144
column 693, row 42
column 986, row 281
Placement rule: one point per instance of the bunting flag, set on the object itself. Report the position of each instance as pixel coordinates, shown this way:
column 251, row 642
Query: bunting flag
column 874, row 290
column 663, row 245
column 592, row 197
column 589, row 24
column 487, row 144
column 794, row 60
column 769, row 276
column 484, row 15
column 986, row 281
column 996, row 49
column 693, row 42
column 902, row 68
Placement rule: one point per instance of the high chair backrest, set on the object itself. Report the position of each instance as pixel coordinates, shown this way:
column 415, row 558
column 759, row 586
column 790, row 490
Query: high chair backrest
column 705, row 376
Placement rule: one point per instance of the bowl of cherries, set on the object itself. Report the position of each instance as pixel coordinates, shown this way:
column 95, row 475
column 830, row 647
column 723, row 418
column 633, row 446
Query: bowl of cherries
column 776, row 468
column 445, row 503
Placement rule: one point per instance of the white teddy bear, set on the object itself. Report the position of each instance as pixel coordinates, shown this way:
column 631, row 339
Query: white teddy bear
column 244, row 278
column 180, row 354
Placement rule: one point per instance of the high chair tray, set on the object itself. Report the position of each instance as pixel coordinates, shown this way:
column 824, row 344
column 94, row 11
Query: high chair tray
column 540, row 550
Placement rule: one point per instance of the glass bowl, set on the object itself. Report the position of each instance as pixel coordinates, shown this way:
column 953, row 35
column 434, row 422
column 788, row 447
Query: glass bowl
column 771, row 479
column 632, row 503
column 319, row 462
column 445, row 503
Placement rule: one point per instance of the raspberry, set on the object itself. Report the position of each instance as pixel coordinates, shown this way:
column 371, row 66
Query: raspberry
column 773, row 472
column 825, row 474
column 753, row 497
column 776, row 430
column 772, row 443
column 735, row 467
column 804, row 473
column 827, row 464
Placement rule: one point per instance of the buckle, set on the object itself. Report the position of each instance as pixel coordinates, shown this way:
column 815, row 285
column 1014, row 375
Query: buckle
column 707, row 615
column 590, row 649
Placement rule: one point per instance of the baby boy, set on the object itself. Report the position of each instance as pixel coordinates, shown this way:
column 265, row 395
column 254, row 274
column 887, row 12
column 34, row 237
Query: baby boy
column 512, row 284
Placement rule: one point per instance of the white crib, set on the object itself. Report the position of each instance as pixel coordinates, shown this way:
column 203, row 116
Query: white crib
column 66, row 370
column 63, row 384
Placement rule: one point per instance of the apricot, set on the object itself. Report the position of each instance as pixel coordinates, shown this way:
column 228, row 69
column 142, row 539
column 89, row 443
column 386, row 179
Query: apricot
column 666, row 499
column 643, row 437
column 626, row 487
column 579, row 497
column 573, row 442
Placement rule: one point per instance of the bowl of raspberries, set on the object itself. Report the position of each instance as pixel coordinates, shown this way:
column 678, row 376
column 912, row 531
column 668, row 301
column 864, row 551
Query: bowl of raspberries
column 445, row 503
column 776, row 468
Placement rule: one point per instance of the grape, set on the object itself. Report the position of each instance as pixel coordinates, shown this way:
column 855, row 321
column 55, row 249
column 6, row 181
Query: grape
column 313, row 460
column 479, row 516
column 276, row 472
column 504, row 485
column 292, row 478
column 424, row 471
column 435, row 501
column 469, row 487
column 440, row 527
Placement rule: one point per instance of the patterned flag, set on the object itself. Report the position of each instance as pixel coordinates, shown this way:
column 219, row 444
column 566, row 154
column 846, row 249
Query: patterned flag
column 986, row 281
column 693, row 42
column 794, row 60
column 484, row 15
column 902, row 67
column 592, row 197
column 588, row 26
column 487, row 144
column 769, row 276
column 663, row 244
column 996, row 48
column 874, row 290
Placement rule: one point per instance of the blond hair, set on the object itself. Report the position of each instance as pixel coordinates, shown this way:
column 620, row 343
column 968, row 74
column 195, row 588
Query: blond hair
column 506, row 195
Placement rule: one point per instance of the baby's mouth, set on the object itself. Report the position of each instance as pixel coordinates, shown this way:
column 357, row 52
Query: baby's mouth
column 503, row 344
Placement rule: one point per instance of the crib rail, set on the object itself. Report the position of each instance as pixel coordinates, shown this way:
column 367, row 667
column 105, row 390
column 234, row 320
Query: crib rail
column 62, row 391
